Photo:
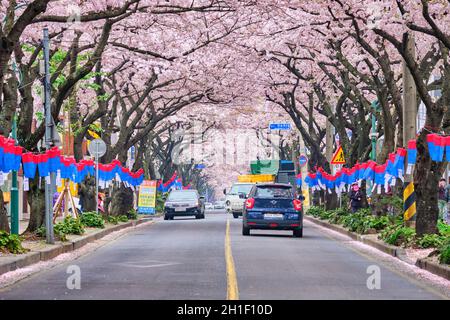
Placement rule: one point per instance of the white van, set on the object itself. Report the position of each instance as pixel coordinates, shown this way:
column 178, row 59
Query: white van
column 235, row 198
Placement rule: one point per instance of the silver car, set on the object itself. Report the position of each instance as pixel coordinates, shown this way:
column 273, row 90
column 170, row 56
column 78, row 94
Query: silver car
column 181, row 203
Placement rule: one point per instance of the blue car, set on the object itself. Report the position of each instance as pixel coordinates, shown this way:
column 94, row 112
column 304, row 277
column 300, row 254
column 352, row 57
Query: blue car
column 273, row 206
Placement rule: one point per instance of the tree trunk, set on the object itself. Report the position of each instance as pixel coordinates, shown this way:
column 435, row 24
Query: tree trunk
column 36, row 200
column 122, row 200
column 331, row 201
column 426, row 180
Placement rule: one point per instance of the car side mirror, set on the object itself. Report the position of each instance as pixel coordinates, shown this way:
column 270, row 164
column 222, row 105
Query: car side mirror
column 242, row 196
column 301, row 197
column 225, row 191
column 202, row 198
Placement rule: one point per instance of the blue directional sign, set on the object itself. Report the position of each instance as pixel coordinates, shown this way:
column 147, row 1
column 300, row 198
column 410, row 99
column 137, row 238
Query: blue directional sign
column 280, row 126
column 200, row 166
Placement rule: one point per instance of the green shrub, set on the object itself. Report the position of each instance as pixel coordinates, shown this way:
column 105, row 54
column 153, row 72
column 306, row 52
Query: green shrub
column 360, row 221
column 430, row 241
column 132, row 214
column 338, row 215
column 444, row 252
column 315, row 211
column 444, row 229
column 398, row 235
column 11, row 243
column 123, row 218
column 113, row 219
column 92, row 219
column 160, row 200
column 68, row 226
column 41, row 232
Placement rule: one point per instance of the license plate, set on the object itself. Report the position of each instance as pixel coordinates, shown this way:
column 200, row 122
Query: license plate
column 273, row 216
column 180, row 209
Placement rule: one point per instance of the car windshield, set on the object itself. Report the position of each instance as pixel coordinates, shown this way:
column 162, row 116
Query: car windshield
column 273, row 192
column 241, row 188
column 182, row 195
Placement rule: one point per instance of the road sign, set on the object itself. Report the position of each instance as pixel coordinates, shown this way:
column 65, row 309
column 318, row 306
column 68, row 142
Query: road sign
column 200, row 166
column 280, row 126
column 338, row 157
column 97, row 148
column 147, row 197
column 303, row 160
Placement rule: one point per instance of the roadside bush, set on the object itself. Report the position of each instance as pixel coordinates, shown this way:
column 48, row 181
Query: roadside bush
column 68, row 226
column 160, row 200
column 338, row 215
column 41, row 232
column 359, row 221
column 112, row 219
column 398, row 235
column 430, row 241
column 444, row 229
column 92, row 219
column 123, row 218
column 132, row 214
column 11, row 243
column 444, row 252
column 315, row 211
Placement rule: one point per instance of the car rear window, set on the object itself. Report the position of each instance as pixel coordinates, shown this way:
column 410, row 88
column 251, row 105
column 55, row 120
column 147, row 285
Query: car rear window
column 182, row 195
column 274, row 192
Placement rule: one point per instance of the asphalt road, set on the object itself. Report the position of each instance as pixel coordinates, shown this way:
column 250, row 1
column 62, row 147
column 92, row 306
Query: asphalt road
column 186, row 259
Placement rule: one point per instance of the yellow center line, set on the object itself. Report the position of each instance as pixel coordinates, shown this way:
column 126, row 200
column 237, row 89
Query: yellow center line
column 232, row 286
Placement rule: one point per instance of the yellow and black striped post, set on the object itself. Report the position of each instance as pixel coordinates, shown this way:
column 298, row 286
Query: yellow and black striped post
column 409, row 201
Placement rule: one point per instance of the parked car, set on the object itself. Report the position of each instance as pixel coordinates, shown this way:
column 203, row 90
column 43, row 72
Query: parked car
column 235, row 199
column 219, row 205
column 209, row 206
column 181, row 203
column 273, row 207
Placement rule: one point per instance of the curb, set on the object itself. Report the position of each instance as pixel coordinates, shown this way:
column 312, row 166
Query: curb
column 425, row 264
column 14, row 262
column 433, row 267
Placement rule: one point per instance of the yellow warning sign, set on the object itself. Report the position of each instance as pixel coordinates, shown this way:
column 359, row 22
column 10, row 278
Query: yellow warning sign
column 338, row 157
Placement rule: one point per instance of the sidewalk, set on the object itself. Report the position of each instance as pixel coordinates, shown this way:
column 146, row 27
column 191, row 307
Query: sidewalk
column 41, row 251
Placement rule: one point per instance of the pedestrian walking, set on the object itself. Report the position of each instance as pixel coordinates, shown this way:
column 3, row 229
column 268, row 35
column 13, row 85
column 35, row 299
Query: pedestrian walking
column 443, row 200
column 355, row 198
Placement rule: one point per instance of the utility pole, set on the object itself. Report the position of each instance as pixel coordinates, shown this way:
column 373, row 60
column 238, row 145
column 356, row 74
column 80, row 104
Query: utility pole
column 329, row 143
column 14, row 189
column 49, row 183
column 409, row 126
column 374, row 134
column 409, row 98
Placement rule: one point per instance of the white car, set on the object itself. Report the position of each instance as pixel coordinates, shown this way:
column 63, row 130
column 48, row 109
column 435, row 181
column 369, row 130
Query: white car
column 209, row 206
column 235, row 198
column 219, row 205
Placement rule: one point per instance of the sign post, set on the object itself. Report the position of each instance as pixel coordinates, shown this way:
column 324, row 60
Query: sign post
column 97, row 148
column 147, row 197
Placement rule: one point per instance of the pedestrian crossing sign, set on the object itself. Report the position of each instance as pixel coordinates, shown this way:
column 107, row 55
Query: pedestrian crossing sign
column 338, row 157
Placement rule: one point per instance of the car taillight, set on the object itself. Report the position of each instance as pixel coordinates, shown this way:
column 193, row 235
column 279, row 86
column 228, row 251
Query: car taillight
column 297, row 205
column 250, row 203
